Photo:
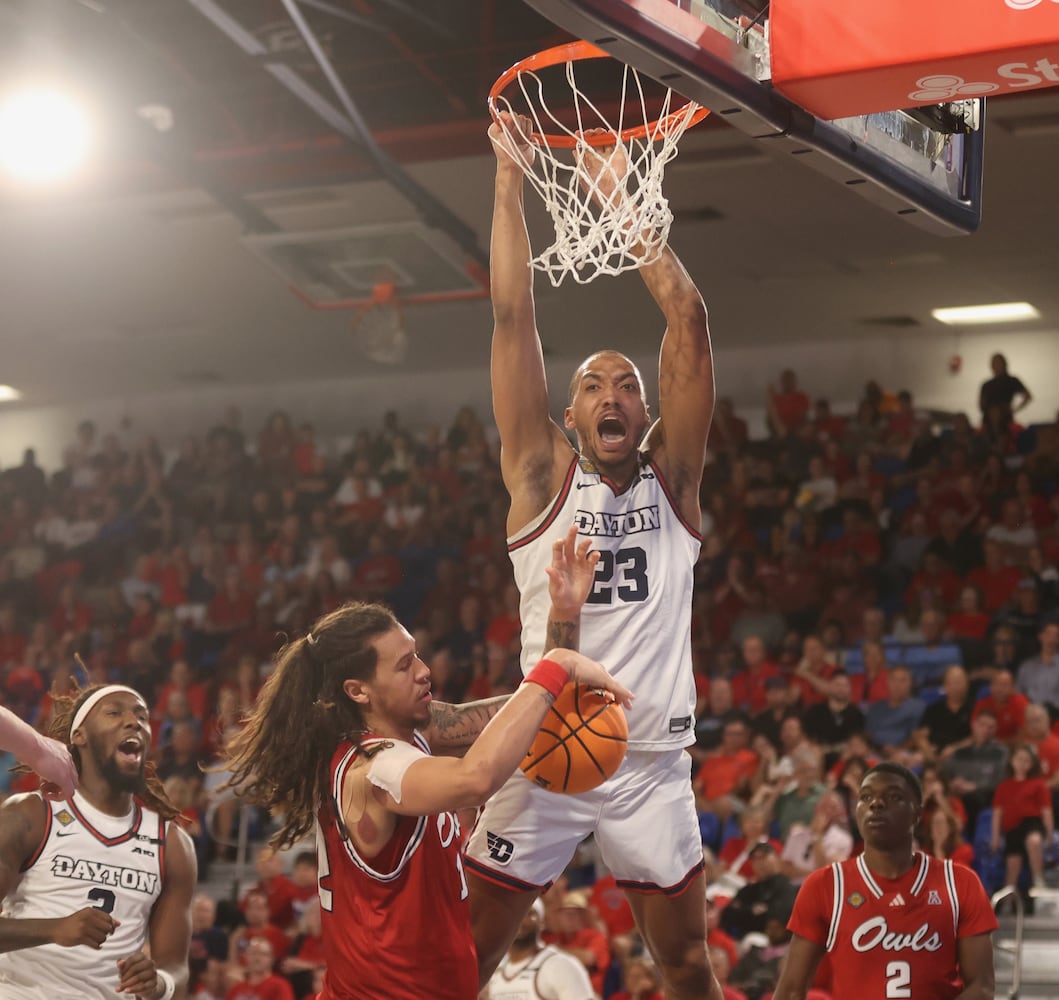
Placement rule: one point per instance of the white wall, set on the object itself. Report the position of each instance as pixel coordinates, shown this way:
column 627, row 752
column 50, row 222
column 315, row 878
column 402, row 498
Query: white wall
column 834, row 369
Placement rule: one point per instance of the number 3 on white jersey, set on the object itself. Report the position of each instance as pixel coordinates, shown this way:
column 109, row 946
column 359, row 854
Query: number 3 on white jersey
column 898, row 981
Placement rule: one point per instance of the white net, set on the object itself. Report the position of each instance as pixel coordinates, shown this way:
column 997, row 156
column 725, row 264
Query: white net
column 380, row 332
column 605, row 201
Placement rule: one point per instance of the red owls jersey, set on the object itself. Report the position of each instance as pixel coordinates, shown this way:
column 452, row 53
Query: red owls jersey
column 395, row 926
column 893, row 938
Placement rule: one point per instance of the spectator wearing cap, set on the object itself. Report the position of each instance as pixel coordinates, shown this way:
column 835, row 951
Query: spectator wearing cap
column 1006, row 704
column 768, row 896
column 579, row 935
column 1038, row 676
column 769, row 720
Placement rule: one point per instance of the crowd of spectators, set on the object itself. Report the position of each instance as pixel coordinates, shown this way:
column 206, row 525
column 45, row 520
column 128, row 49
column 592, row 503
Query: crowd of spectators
column 881, row 585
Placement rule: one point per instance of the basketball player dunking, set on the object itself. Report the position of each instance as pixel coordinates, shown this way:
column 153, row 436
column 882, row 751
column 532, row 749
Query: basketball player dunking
column 894, row 922
column 633, row 489
column 88, row 882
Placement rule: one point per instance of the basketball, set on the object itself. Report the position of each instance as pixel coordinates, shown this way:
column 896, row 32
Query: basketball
column 581, row 742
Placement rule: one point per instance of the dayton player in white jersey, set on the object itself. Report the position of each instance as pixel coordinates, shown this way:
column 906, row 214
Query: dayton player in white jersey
column 535, row 971
column 634, row 490
column 86, row 883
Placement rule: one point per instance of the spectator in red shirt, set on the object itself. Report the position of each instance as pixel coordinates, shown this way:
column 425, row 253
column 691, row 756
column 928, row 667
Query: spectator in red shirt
column 1036, row 734
column 232, row 608
column 788, row 406
column 935, row 577
column 70, row 614
column 12, row 640
column 640, row 981
column 968, row 621
column 809, row 685
column 945, row 839
column 996, row 580
column 612, row 907
column 1022, row 811
column 378, row 573
column 748, row 686
column 261, row 983
column 723, row 780
column 307, row 950
column 258, row 927
column 279, row 891
column 579, row 936
column 1006, row 704
column 735, row 852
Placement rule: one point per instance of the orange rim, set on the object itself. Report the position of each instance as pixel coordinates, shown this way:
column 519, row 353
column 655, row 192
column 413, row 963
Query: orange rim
column 571, row 52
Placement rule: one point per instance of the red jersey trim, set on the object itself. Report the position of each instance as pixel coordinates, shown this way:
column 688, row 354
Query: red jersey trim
column 137, row 819
column 672, row 891
column 33, row 858
column 501, row 879
column 557, row 505
column 694, row 532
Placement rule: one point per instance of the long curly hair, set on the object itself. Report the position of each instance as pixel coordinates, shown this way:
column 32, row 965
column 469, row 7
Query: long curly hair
column 151, row 794
column 281, row 757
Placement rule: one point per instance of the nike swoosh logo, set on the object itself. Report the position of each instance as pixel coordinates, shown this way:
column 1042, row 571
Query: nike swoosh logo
column 66, row 833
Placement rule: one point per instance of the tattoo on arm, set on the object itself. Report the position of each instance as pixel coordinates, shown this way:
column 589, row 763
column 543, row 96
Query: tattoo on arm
column 563, row 635
column 457, row 726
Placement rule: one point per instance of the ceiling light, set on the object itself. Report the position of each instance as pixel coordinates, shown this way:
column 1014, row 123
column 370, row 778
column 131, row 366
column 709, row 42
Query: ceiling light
column 998, row 312
column 44, row 135
column 8, row 394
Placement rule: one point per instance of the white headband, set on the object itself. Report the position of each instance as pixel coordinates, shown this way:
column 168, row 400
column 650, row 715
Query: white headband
column 94, row 699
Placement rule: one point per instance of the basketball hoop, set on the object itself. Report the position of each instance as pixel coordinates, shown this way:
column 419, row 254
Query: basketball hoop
column 379, row 326
column 595, row 232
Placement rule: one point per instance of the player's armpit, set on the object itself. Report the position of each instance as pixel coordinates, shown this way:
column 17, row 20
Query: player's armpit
column 803, row 959
column 975, row 958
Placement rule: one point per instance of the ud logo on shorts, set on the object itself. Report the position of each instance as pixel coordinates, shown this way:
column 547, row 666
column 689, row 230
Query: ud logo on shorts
column 500, row 850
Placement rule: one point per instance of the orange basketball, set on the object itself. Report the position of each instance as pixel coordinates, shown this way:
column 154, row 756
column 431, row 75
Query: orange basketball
column 581, row 742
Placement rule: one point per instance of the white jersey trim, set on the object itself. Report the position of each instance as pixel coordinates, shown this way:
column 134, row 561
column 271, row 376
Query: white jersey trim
column 839, row 878
column 954, row 897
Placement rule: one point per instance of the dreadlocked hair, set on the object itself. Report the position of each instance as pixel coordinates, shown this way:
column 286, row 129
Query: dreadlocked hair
column 152, row 794
column 280, row 759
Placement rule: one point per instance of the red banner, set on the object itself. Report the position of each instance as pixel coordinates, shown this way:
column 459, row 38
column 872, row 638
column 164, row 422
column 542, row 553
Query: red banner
column 840, row 60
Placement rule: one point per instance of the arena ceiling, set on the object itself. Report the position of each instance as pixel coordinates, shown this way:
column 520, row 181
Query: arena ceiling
column 136, row 279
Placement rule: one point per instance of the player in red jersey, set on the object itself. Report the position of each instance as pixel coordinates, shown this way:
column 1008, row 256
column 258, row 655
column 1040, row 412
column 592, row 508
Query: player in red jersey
column 894, row 922
column 340, row 738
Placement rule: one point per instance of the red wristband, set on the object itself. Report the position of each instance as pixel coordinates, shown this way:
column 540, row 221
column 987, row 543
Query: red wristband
column 551, row 676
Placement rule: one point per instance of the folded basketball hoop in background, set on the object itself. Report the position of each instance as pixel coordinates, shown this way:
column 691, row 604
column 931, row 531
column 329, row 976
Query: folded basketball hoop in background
column 906, row 53
column 373, row 272
column 576, row 129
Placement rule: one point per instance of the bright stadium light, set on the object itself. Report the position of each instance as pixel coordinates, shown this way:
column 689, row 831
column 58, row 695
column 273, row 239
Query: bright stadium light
column 8, row 394
column 996, row 312
column 44, row 135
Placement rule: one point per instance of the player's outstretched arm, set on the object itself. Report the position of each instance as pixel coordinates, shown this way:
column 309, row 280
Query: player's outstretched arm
column 48, row 757
column 685, row 378
column 803, row 959
column 529, row 437
column 169, row 934
column 436, row 784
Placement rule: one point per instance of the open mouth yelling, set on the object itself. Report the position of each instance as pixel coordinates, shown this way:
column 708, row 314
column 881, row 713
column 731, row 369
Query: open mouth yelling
column 130, row 752
column 612, row 433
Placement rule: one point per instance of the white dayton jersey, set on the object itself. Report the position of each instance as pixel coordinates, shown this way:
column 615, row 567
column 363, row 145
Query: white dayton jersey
column 637, row 620
column 86, row 858
column 548, row 975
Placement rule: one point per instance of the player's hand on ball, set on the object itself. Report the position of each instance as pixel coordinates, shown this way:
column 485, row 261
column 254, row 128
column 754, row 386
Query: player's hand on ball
column 88, row 926
column 511, row 139
column 585, row 671
column 572, row 572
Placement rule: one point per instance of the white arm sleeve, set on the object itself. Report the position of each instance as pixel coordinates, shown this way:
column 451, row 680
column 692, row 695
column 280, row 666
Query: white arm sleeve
column 563, row 977
column 389, row 765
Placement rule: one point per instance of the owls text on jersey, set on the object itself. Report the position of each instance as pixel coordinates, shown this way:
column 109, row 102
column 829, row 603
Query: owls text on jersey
column 86, row 858
column 637, row 619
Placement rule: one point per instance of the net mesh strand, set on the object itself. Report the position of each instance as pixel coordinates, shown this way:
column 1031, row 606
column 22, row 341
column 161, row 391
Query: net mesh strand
column 595, row 234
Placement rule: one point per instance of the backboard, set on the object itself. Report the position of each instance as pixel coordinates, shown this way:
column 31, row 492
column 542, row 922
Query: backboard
column 923, row 165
